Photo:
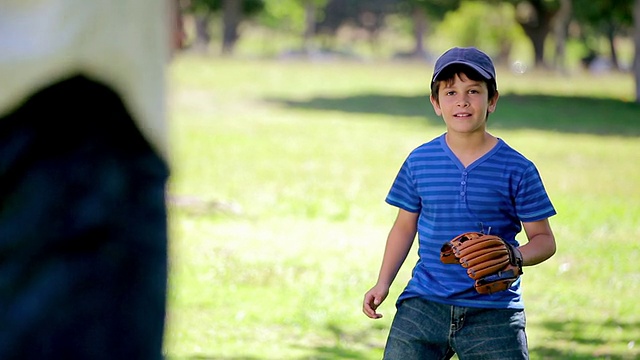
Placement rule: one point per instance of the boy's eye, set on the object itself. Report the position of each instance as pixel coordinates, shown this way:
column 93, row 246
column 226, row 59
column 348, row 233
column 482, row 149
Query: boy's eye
column 450, row 92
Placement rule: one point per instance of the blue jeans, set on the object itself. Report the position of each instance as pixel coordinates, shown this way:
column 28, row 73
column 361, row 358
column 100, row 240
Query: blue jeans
column 427, row 330
column 83, row 229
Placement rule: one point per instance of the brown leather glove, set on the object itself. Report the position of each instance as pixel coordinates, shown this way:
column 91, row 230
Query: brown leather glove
column 493, row 263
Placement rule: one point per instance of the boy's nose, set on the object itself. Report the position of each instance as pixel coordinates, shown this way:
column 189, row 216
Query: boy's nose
column 463, row 102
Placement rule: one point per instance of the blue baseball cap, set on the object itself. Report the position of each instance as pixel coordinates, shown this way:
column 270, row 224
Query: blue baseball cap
column 469, row 56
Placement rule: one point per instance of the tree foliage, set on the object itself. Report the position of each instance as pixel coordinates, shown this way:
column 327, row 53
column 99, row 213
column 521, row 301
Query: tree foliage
column 233, row 10
column 604, row 18
column 488, row 23
column 287, row 15
column 604, row 13
column 248, row 7
column 536, row 19
column 366, row 14
column 490, row 26
column 434, row 9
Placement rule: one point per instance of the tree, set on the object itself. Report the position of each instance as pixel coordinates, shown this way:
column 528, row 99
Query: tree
column 535, row 17
column 490, row 26
column 234, row 11
column 423, row 11
column 367, row 14
column 310, row 20
column 294, row 16
column 202, row 11
column 232, row 15
column 606, row 18
column 561, row 32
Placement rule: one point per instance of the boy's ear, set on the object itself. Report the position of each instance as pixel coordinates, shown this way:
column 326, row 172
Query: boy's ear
column 493, row 102
column 436, row 105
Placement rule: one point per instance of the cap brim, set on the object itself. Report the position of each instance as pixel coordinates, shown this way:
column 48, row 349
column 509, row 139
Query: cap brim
column 480, row 70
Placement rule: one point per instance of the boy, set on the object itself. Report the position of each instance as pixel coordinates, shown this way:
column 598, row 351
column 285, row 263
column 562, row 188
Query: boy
column 465, row 180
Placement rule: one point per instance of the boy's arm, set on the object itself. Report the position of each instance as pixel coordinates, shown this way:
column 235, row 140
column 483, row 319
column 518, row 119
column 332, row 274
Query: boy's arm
column 541, row 245
column 398, row 245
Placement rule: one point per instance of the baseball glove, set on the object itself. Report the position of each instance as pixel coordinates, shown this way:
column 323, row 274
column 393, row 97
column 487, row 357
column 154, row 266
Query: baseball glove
column 493, row 263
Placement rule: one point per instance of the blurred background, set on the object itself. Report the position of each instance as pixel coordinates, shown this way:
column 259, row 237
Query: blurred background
column 553, row 34
column 291, row 118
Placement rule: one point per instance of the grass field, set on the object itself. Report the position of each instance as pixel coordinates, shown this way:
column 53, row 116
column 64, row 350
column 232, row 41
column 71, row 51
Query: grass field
column 278, row 219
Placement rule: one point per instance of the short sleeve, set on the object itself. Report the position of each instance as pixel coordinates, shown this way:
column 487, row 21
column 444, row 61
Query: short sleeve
column 532, row 200
column 403, row 193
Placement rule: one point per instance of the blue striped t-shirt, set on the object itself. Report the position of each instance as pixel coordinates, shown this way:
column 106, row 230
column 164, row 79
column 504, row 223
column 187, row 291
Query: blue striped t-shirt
column 493, row 195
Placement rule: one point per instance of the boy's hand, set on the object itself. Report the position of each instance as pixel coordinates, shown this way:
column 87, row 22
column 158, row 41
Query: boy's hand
column 372, row 299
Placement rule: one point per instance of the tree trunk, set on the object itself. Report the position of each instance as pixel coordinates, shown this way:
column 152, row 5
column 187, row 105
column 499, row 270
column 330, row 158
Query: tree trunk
column 636, row 41
column 203, row 35
column 178, row 34
column 611, row 36
column 535, row 20
column 561, row 29
column 537, row 35
column 310, row 24
column 232, row 14
column 419, row 27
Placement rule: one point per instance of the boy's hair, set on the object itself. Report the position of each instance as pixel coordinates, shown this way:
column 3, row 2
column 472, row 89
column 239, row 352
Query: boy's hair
column 448, row 74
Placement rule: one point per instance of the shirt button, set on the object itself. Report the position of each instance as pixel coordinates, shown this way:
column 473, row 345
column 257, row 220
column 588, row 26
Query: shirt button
column 463, row 183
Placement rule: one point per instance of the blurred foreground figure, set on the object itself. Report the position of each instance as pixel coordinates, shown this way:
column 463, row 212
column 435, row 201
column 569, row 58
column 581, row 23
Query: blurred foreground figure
column 83, row 233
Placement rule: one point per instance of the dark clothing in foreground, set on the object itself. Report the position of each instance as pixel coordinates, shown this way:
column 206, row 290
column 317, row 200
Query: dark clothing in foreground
column 83, row 237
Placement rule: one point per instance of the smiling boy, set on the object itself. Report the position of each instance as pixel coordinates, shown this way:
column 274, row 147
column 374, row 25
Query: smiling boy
column 465, row 180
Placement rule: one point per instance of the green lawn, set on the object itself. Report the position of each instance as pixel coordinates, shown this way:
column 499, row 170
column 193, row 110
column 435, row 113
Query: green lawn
column 278, row 219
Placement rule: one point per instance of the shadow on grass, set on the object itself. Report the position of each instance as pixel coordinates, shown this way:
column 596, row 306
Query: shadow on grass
column 582, row 340
column 356, row 345
column 205, row 357
column 542, row 112
column 570, row 340
column 337, row 343
column 334, row 352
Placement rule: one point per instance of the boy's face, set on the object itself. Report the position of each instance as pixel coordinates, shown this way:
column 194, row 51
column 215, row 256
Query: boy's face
column 464, row 104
